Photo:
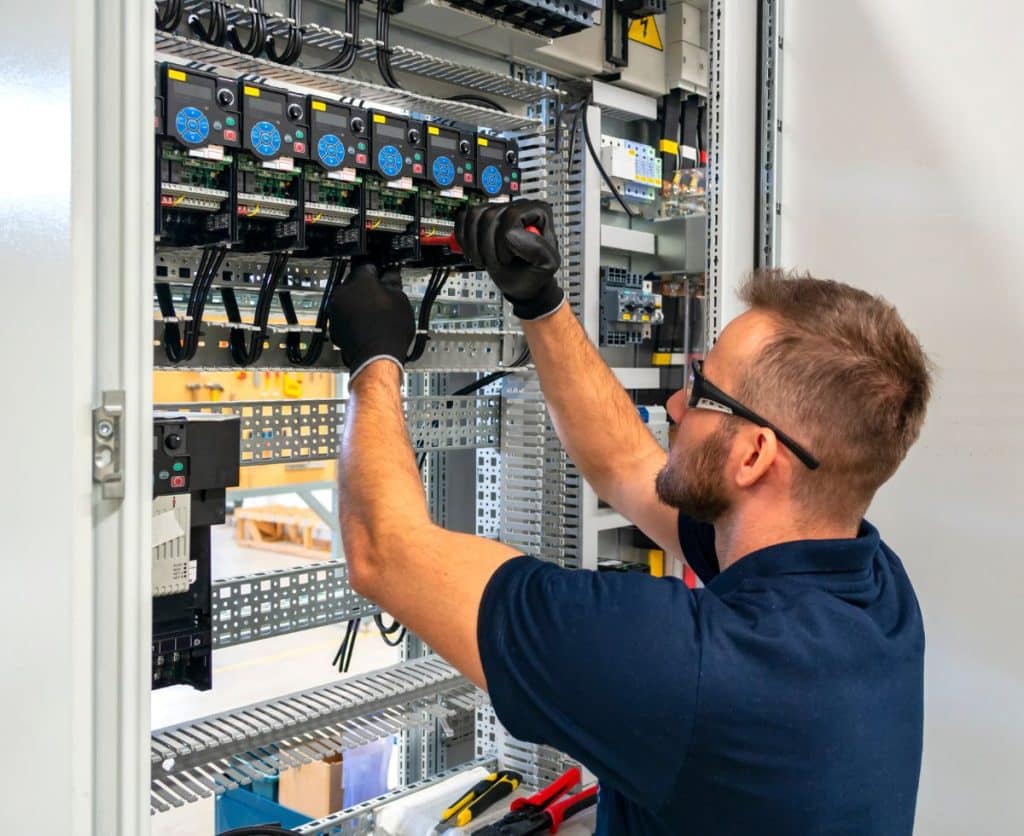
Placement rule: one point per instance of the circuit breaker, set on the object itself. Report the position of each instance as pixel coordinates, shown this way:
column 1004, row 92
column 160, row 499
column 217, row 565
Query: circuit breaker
column 629, row 307
column 195, row 458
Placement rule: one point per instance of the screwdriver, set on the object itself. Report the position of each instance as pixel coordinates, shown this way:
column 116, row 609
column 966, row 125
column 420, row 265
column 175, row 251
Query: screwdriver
column 450, row 242
column 483, row 795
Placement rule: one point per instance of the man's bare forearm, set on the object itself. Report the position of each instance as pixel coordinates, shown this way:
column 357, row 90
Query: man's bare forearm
column 381, row 497
column 595, row 418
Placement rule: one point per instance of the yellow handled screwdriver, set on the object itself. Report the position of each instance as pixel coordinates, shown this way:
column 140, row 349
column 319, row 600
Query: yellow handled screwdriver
column 480, row 797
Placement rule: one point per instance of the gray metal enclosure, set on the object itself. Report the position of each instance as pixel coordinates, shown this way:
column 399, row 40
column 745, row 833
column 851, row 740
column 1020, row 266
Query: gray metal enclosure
column 900, row 144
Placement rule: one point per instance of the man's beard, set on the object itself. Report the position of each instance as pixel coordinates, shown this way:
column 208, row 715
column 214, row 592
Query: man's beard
column 693, row 480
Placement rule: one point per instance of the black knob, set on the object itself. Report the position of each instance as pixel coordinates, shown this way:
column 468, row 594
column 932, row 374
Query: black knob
column 294, row 112
column 173, row 441
column 357, row 125
column 414, row 136
column 510, row 157
column 465, row 147
column 225, row 97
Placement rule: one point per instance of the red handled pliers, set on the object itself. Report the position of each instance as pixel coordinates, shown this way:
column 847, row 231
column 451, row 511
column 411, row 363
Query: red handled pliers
column 542, row 812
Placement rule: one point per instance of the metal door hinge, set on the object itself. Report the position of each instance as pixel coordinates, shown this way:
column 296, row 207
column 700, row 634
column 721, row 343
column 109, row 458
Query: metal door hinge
column 107, row 449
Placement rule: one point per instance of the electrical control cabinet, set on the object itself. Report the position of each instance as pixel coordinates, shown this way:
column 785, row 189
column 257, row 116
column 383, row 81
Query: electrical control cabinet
column 195, row 458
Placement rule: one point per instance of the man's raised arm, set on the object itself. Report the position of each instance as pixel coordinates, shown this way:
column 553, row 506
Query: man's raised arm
column 594, row 417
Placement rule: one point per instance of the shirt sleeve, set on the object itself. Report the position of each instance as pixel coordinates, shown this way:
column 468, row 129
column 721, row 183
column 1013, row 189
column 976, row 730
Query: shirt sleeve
column 697, row 540
column 603, row 666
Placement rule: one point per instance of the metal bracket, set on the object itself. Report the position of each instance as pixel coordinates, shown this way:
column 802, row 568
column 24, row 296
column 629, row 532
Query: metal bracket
column 107, row 450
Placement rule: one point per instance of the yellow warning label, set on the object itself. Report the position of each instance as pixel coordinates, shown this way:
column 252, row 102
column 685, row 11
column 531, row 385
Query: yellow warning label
column 644, row 30
column 177, row 75
column 319, row 105
column 380, row 119
column 668, row 146
column 251, row 91
column 433, row 130
column 481, row 141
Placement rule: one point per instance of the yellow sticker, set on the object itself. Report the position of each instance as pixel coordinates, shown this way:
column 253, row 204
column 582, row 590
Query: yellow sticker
column 668, row 146
column 644, row 30
column 645, row 318
column 656, row 561
column 251, row 91
column 319, row 105
column 433, row 131
column 177, row 75
column 380, row 119
column 661, row 358
column 627, row 317
column 481, row 140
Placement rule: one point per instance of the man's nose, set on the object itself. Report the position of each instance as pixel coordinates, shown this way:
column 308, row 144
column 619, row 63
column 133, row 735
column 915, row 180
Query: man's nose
column 676, row 405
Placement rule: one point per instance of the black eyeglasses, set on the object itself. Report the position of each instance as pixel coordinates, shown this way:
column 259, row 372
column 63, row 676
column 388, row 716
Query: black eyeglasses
column 705, row 395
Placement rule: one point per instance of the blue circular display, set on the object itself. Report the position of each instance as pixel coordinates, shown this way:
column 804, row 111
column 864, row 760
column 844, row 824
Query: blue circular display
column 265, row 138
column 390, row 161
column 444, row 171
column 331, row 150
column 191, row 125
column 491, row 180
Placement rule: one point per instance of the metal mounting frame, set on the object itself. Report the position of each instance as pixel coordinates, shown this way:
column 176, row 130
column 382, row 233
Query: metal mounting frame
column 276, row 432
column 229, row 62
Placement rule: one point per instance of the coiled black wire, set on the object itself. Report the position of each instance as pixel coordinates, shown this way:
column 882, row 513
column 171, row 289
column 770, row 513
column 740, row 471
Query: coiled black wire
column 246, row 350
column 346, row 57
column 293, row 44
column 293, row 342
column 384, row 44
column 257, row 31
column 169, row 14
column 178, row 349
column 214, row 29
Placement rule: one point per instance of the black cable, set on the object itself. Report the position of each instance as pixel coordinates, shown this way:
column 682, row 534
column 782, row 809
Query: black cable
column 346, row 57
column 259, row 830
column 293, row 341
column 604, row 174
column 343, row 658
column 246, row 352
column 438, row 279
column 472, row 98
column 384, row 45
column 170, row 18
column 257, row 31
column 215, row 29
column 390, row 630
column 293, row 45
column 181, row 349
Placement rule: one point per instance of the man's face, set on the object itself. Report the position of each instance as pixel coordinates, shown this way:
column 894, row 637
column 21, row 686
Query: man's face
column 695, row 478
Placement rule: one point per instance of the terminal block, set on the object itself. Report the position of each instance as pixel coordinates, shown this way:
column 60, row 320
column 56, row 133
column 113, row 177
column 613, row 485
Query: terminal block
column 195, row 458
column 629, row 307
column 634, row 168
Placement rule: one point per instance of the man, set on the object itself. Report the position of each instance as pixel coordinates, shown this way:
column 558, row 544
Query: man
column 785, row 697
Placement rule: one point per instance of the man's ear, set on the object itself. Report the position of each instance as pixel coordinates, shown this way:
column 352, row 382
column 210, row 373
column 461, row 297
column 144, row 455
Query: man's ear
column 758, row 449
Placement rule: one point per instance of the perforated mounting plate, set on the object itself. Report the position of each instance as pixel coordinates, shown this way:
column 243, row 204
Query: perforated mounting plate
column 275, row 432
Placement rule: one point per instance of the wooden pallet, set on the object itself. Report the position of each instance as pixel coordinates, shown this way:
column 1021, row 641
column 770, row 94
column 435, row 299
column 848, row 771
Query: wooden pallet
column 279, row 528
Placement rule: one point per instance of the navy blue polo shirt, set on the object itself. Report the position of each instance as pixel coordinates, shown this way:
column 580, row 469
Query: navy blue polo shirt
column 784, row 699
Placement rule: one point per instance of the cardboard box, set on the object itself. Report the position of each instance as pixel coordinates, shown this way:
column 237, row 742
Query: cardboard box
column 314, row 789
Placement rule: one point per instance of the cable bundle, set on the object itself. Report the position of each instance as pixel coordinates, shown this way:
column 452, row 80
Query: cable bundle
column 438, row 279
column 343, row 658
column 213, row 28
column 169, row 14
column 346, row 57
column 384, row 44
column 293, row 342
column 293, row 44
column 180, row 350
column 257, row 31
column 244, row 352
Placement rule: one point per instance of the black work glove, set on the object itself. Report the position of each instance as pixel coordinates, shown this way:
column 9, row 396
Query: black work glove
column 370, row 317
column 521, row 263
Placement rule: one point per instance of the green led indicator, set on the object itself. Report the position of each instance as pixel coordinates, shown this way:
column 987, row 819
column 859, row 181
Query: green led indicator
column 177, row 467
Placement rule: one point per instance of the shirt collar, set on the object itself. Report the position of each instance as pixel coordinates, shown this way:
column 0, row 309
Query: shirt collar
column 802, row 557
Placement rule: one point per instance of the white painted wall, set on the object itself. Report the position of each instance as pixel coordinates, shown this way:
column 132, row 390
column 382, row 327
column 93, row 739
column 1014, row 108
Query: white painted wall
column 901, row 155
